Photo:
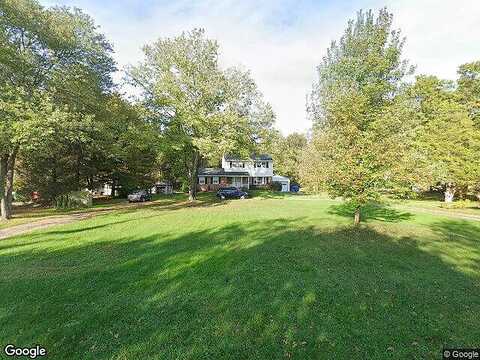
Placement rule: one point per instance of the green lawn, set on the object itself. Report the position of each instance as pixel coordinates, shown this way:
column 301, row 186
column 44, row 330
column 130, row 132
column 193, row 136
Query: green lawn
column 266, row 278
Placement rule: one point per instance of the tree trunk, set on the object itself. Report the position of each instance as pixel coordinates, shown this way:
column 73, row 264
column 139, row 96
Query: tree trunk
column 78, row 164
column 9, row 185
column 8, row 189
column 3, row 178
column 449, row 193
column 114, row 187
column 356, row 220
column 192, row 193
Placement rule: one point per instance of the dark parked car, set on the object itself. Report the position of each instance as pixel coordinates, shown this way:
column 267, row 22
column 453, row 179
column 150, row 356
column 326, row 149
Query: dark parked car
column 294, row 188
column 231, row 193
column 139, row 196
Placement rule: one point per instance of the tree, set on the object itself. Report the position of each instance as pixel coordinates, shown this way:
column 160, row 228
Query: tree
column 447, row 135
column 469, row 95
column 286, row 152
column 53, row 54
column 358, row 82
column 203, row 110
column 117, row 147
column 469, row 89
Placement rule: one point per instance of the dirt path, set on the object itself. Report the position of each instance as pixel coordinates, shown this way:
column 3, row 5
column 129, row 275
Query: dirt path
column 40, row 224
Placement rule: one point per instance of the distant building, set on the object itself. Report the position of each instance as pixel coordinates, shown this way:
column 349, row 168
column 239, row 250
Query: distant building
column 256, row 171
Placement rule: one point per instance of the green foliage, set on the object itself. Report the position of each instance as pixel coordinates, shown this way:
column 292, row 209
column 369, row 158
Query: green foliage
column 461, row 204
column 55, row 71
column 202, row 110
column 358, row 81
column 446, row 134
column 285, row 151
column 469, row 89
column 74, row 200
column 276, row 186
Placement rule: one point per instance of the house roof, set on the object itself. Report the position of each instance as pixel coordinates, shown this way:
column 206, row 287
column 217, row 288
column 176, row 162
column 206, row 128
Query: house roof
column 280, row 178
column 264, row 157
column 220, row 172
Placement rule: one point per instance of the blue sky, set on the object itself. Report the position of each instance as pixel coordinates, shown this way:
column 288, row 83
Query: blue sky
column 282, row 41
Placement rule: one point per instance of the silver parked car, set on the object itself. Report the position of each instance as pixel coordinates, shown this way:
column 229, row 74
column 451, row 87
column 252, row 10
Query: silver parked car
column 139, row 196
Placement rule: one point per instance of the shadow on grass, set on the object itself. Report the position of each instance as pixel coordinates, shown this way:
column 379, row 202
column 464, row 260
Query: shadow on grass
column 371, row 211
column 253, row 290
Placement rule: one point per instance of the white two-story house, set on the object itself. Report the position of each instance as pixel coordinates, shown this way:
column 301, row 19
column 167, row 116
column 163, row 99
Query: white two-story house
column 238, row 172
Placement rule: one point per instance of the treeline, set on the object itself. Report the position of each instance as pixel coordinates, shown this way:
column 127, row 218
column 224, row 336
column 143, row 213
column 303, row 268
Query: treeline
column 64, row 125
column 377, row 132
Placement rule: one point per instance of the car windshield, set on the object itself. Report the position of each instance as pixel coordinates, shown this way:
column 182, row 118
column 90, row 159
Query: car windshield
column 140, row 192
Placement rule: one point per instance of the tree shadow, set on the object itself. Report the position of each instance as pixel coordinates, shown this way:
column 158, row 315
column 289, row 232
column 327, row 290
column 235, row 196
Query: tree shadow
column 252, row 289
column 372, row 211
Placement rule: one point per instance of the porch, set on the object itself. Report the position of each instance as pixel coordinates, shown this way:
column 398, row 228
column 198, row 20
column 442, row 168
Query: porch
column 211, row 179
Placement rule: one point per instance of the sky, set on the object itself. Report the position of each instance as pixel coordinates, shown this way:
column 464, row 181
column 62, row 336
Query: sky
column 282, row 41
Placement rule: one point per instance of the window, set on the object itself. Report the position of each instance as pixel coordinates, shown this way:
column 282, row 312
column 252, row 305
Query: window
column 201, row 180
column 215, row 180
column 237, row 164
column 258, row 180
column 261, row 164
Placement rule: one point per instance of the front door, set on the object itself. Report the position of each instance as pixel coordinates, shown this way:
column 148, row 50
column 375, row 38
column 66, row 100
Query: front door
column 237, row 182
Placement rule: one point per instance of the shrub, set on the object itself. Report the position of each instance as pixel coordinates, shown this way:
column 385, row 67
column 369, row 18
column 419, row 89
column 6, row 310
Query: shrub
column 276, row 186
column 460, row 204
column 74, row 200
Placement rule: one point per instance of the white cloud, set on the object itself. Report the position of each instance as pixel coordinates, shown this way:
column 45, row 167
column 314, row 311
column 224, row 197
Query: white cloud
column 282, row 42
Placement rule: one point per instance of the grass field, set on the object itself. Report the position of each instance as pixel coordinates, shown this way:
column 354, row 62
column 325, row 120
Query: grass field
column 264, row 278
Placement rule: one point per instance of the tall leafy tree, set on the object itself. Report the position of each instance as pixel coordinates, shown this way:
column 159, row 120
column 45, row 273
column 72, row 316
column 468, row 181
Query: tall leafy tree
column 358, row 81
column 469, row 89
column 469, row 94
column 447, row 135
column 56, row 52
column 206, row 111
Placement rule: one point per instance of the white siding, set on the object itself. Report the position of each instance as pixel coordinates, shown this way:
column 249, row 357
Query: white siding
column 249, row 167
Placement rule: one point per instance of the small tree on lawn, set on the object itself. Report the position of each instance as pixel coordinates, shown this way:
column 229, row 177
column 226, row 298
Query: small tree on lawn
column 358, row 81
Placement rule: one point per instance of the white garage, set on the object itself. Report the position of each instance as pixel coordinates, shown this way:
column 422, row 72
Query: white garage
column 282, row 180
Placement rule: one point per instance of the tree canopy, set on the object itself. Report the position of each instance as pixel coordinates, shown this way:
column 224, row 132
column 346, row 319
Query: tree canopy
column 358, row 82
column 203, row 110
